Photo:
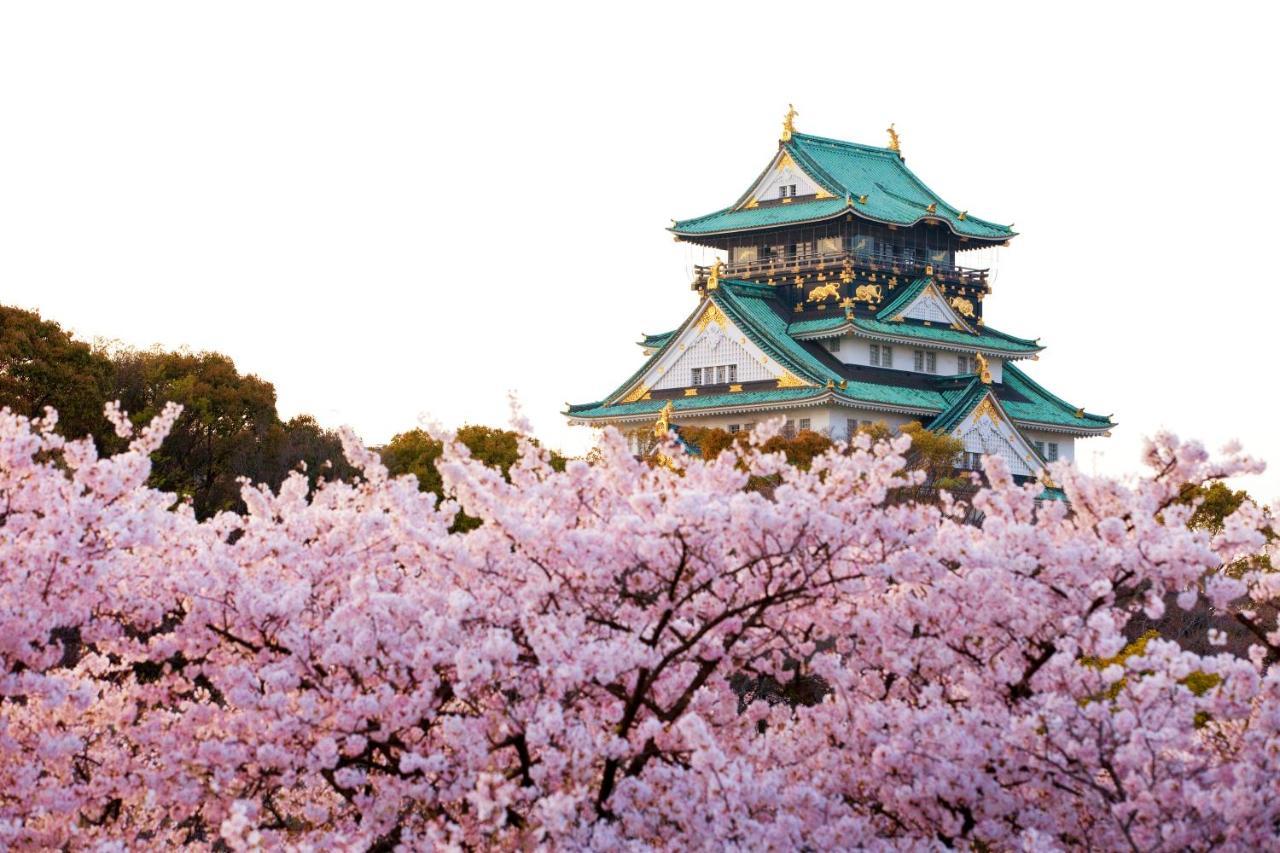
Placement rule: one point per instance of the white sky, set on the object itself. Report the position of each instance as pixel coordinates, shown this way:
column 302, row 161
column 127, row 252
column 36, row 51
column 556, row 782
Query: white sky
column 392, row 210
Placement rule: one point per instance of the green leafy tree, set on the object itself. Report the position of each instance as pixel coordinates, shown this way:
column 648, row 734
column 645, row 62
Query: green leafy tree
column 301, row 443
column 42, row 365
column 225, row 430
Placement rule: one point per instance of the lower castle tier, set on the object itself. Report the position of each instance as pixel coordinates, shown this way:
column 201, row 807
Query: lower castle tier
column 742, row 357
column 842, row 303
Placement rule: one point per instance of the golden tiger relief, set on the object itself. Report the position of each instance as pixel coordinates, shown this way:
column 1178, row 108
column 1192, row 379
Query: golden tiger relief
column 963, row 306
column 867, row 293
column 826, row 291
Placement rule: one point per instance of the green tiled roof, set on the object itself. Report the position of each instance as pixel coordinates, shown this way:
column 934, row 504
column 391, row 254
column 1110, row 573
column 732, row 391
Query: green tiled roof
column 987, row 340
column 658, row 340
column 848, row 171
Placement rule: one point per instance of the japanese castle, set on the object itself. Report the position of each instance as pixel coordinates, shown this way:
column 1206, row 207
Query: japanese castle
column 841, row 302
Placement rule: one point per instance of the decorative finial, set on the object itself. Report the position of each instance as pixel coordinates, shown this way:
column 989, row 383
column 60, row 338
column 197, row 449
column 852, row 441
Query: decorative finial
column 862, row 199
column 789, row 123
column 893, row 139
column 933, row 208
column 984, row 370
column 663, row 425
column 713, row 275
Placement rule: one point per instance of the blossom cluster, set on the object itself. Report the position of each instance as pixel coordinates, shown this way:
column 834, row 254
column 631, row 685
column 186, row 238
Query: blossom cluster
column 341, row 667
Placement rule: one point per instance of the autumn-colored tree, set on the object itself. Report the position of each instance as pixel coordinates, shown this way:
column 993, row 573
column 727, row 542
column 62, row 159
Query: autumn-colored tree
column 1235, row 623
column 416, row 452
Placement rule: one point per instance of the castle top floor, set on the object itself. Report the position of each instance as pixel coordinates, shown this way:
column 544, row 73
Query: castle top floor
column 822, row 202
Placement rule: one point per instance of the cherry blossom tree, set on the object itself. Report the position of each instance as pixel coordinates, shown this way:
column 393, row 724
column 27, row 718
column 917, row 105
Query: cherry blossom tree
column 338, row 667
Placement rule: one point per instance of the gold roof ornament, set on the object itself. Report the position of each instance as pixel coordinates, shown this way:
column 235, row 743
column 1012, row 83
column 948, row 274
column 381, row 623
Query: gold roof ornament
column 640, row 392
column 789, row 123
column 933, row 208
column 986, row 409
column 862, row 199
column 713, row 275
column 894, row 144
column 984, row 369
column 961, row 216
column 663, row 425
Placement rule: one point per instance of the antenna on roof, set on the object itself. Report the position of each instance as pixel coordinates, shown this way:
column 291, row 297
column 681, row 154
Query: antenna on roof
column 789, row 123
column 893, row 139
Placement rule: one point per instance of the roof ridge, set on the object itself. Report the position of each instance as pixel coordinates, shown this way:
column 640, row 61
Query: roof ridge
column 969, row 398
column 900, row 302
column 846, row 143
column 751, row 287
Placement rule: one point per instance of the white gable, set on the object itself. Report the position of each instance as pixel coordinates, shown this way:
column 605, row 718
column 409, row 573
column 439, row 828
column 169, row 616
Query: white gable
column 712, row 340
column 987, row 431
column 713, row 347
column 928, row 307
column 931, row 305
column 784, row 172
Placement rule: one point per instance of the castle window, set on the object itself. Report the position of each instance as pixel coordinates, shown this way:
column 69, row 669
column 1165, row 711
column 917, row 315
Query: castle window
column 1039, row 448
column 966, row 364
column 720, row 375
column 851, row 426
column 749, row 425
column 733, row 427
column 831, row 344
column 1053, row 452
column 926, row 362
column 789, row 429
column 828, row 245
column 733, row 373
column 881, row 355
column 787, row 191
column 804, row 424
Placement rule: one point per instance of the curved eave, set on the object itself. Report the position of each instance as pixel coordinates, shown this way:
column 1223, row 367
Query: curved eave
column 834, row 214
column 1082, row 432
column 821, row 397
column 847, row 208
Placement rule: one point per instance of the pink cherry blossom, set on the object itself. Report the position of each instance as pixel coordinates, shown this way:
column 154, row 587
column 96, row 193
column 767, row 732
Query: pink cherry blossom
column 590, row 668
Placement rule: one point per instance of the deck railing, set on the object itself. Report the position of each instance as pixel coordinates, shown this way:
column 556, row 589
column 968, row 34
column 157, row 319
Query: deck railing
column 782, row 266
